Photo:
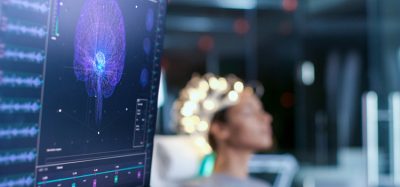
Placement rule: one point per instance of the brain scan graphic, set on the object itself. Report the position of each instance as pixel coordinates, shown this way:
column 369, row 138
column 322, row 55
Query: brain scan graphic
column 99, row 54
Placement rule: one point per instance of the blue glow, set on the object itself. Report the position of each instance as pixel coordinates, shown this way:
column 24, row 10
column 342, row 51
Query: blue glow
column 12, row 107
column 17, row 55
column 28, row 4
column 144, row 77
column 17, row 157
column 19, row 181
column 100, row 63
column 34, row 31
column 14, row 80
column 150, row 20
column 99, row 54
column 147, row 46
column 23, row 132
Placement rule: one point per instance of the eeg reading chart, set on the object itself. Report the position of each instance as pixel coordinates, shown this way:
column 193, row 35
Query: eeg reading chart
column 23, row 36
column 78, row 91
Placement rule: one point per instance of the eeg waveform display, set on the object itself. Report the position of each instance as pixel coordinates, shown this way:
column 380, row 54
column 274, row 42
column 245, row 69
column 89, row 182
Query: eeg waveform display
column 40, row 6
column 14, row 181
column 100, row 49
column 23, row 29
column 19, row 156
column 20, row 80
column 14, row 131
column 21, row 55
column 23, row 34
column 22, row 106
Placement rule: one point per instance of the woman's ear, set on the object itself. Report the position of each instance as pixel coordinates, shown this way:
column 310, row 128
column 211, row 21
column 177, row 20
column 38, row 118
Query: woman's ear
column 219, row 131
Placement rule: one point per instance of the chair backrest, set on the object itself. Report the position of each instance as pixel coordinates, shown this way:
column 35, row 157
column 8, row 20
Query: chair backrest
column 283, row 168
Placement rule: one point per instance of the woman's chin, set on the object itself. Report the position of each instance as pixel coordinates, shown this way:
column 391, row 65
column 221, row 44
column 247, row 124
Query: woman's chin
column 264, row 145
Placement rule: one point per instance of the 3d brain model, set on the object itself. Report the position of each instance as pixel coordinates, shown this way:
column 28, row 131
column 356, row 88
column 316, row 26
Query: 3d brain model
column 100, row 49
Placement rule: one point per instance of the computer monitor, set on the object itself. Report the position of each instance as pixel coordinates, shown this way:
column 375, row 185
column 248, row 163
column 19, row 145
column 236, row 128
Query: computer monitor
column 78, row 91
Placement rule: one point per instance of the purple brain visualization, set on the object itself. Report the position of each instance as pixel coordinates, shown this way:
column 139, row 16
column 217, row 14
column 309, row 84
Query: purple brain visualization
column 100, row 49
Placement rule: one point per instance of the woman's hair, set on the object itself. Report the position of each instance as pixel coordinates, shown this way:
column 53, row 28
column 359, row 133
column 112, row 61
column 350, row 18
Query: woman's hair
column 220, row 117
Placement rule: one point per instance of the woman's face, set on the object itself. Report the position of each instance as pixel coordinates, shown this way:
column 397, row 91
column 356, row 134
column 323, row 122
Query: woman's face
column 249, row 124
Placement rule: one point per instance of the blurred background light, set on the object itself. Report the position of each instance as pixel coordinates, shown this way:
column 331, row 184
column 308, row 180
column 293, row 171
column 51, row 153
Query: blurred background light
column 237, row 4
column 241, row 26
column 289, row 5
column 307, row 73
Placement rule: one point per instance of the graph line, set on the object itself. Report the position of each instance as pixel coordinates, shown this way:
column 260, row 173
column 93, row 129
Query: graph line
column 88, row 175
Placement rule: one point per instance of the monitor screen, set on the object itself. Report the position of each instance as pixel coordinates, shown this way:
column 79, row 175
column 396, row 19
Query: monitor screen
column 78, row 91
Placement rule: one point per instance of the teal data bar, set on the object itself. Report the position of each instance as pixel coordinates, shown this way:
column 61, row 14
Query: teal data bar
column 88, row 175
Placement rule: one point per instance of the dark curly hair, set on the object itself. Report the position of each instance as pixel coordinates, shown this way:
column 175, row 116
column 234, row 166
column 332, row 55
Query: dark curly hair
column 220, row 117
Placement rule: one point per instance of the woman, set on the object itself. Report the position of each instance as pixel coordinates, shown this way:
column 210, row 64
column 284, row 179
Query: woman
column 236, row 132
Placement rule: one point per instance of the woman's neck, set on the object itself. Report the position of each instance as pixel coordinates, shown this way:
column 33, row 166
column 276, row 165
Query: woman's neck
column 232, row 162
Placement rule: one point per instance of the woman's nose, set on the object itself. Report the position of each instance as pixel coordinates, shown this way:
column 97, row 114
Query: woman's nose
column 267, row 117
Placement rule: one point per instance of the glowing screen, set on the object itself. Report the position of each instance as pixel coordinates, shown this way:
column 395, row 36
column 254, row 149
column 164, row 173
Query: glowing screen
column 78, row 91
